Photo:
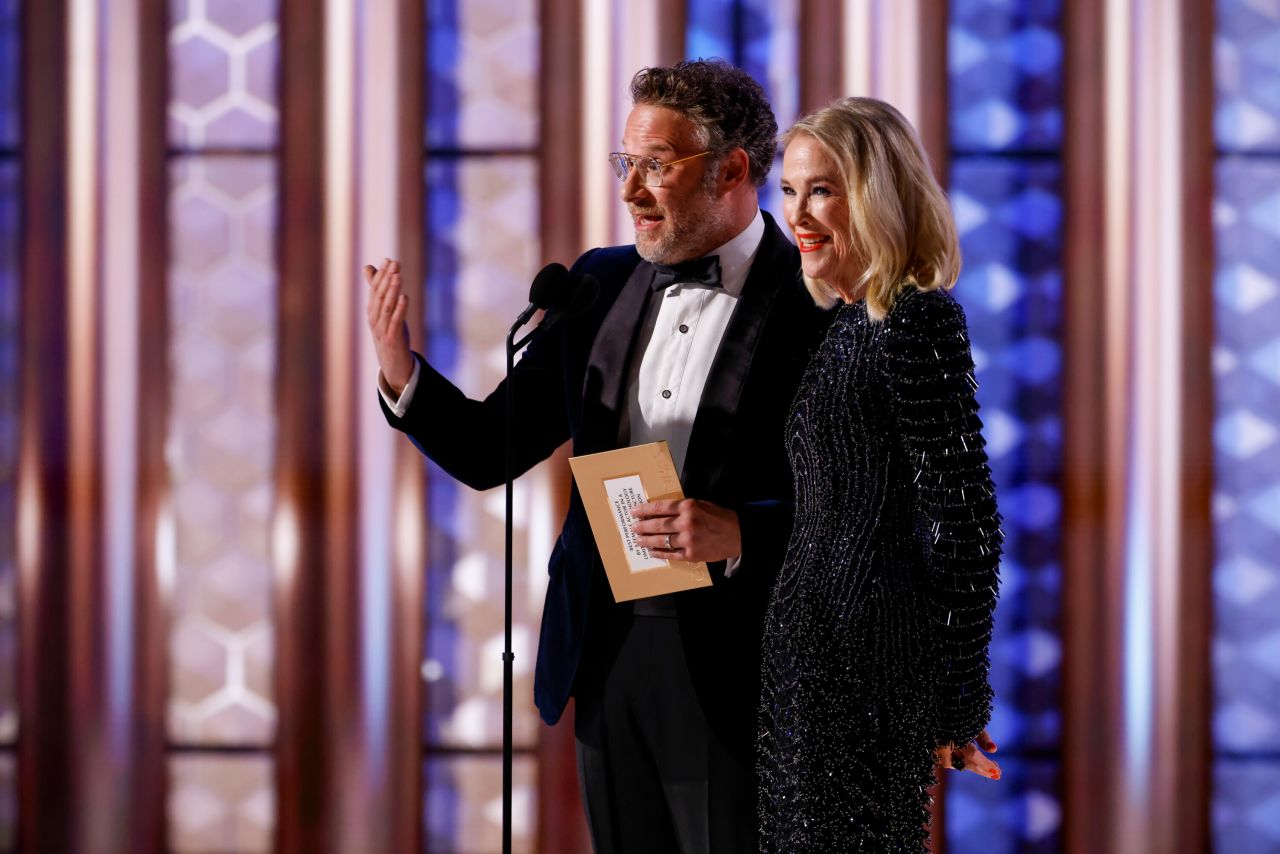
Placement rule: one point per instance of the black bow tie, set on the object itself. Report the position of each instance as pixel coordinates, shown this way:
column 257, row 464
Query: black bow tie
column 699, row 271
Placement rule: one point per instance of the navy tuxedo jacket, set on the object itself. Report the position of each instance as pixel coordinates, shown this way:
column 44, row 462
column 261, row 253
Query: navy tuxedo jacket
column 570, row 385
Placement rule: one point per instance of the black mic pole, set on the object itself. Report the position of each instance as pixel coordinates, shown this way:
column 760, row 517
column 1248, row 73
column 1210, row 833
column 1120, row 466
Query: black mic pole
column 508, row 657
column 559, row 305
column 544, row 290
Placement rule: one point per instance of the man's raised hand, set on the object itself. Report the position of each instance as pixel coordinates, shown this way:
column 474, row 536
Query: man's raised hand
column 385, row 311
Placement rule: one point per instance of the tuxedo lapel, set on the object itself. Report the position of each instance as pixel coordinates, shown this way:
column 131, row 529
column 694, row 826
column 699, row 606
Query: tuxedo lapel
column 609, row 361
column 719, row 404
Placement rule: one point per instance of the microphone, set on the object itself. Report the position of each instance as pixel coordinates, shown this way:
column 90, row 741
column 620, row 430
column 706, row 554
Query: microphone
column 579, row 299
column 560, row 296
column 548, row 290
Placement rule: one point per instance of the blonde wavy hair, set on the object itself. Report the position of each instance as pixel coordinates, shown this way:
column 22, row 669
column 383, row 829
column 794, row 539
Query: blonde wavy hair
column 900, row 224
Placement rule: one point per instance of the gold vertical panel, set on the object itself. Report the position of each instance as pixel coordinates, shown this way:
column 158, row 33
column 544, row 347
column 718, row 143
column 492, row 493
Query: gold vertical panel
column 1137, row 495
column 385, row 789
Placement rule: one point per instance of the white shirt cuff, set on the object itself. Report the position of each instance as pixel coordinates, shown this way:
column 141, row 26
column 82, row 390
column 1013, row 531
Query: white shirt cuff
column 731, row 566
column 399, row 405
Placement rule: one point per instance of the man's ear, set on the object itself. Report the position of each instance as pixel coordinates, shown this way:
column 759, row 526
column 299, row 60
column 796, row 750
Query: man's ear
column 735, row 170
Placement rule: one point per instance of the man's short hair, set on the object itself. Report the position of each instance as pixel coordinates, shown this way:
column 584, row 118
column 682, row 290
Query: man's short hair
column 727, row 106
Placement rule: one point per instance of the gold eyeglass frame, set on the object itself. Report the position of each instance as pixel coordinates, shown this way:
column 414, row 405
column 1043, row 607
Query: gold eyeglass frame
column 623, row 163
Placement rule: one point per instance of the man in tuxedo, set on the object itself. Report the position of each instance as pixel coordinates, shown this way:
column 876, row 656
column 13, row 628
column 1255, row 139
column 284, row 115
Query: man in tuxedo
column 699, row 336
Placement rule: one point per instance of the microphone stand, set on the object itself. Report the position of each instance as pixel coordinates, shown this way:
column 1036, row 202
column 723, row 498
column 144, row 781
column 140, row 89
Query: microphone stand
column 575, row 305
column 508, row 657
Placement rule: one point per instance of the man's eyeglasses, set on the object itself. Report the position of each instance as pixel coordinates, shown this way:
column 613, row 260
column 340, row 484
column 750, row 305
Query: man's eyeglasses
column 651, row 168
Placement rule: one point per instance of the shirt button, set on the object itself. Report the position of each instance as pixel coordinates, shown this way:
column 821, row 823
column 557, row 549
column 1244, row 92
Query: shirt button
column 684, row 327
column 666, row 392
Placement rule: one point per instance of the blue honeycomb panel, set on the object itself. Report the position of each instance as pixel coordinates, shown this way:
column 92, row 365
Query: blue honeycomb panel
column 1246, row 503
column 10, row 59
column 1246, row 64
column 1005, row 66
column 1009, row 213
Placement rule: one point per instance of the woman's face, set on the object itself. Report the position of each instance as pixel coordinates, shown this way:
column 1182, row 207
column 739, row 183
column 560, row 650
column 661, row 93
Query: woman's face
column 816, row 209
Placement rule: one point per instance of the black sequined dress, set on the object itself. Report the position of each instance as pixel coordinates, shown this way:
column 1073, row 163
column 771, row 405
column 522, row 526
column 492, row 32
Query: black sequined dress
column 875, row 648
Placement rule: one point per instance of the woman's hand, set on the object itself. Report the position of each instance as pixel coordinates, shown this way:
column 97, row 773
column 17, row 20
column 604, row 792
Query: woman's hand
column 971, row 757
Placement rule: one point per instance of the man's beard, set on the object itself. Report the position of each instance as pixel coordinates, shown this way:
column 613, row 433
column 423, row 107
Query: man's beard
column 687, row 234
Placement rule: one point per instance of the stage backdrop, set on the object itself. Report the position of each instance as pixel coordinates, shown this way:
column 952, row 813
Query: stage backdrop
column 330, row 626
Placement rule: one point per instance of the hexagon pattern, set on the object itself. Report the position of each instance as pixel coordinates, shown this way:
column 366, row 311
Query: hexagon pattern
column 482, row 74
column 222, row 63
column 761, row 38
column 1246, row 58
column 221, row 803
column 482, row 253
column 1246, row 502
column 482, row 245
column 757, row 36
column 463, row 809
column 10, row 65
column 1005, row 67
column 221, row 434
column 1004, row 61
column 1007, row 213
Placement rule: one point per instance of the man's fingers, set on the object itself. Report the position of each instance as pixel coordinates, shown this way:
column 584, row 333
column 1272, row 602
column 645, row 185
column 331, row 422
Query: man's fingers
column 385, row 303
column 659, row 523
column 667, row 507
column 378, row 292
column 393, row 294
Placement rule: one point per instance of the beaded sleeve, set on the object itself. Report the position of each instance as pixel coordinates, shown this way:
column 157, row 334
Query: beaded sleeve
column 931, row 379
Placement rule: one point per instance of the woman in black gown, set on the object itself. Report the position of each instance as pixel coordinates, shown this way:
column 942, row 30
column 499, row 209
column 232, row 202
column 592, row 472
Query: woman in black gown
column 875, row 652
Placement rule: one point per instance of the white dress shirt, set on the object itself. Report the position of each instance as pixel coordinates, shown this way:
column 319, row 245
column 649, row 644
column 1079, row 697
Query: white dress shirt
column 666, row 382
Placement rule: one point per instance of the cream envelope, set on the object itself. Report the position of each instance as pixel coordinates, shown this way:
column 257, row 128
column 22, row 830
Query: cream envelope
column 611, row 484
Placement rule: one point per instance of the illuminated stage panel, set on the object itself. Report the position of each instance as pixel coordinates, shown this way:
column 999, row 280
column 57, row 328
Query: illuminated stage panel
column 1246, row 503
column 481, row 254
column 1004, row 59
column 10, row 200
column 1019, row 814
column 9, row 391
column 482, row 74
column 1009, row 216
column 464, row 804
column 760, row 38
column 224, row 56
column 1246, row 803
column 8, row 802
column 10, row 65
column 223, row 316
column 1005, row 72
column 221, row 803
column 1247, row 77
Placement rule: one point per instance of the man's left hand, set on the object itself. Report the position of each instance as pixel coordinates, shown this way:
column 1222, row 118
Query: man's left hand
column 688, row 530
